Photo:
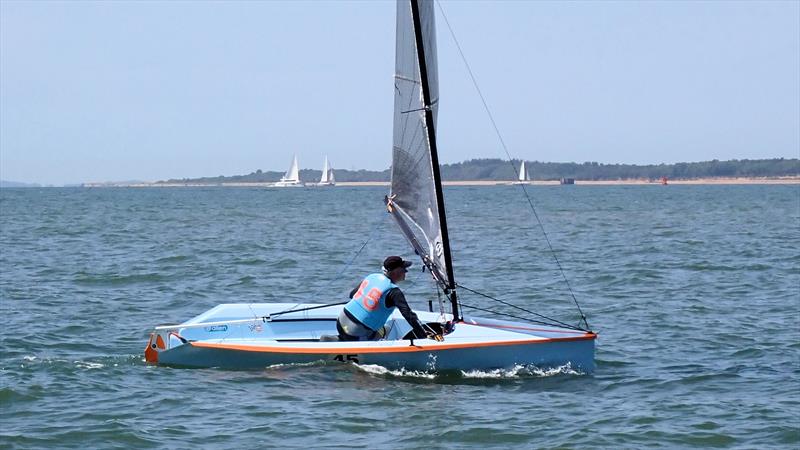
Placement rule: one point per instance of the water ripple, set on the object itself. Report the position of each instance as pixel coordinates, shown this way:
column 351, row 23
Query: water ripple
column 695, row 291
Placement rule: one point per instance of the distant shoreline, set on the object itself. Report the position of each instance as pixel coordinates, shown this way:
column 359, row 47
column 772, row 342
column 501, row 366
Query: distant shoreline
column 633, row 182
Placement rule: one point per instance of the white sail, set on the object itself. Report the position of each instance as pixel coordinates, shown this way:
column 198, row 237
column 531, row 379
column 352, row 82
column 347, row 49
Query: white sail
column 325, row 173
column 415, row 197
column 524, row 177
column 293, row 174
column 291, row 177
column 326, row 179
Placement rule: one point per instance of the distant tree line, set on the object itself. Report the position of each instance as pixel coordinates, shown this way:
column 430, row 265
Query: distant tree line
column 306, row 175
column 496, row 169
column 17, row 184
column 504, row 170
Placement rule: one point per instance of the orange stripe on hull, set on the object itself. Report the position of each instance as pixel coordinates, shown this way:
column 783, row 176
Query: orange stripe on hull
column 406, row 349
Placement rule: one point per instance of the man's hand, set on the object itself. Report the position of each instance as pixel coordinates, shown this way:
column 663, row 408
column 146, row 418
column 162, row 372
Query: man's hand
column 435, row 336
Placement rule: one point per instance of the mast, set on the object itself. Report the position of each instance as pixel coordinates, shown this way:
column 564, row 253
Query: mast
column 450, row 288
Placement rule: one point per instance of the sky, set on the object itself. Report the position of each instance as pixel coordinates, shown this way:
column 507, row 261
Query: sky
column 134, row 90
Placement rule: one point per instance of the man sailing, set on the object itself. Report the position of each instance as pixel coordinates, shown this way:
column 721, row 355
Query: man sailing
column 374, row 300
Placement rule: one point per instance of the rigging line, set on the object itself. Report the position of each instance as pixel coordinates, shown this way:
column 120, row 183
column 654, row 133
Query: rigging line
column 514, row 316
column 508, row 154
column 519, row 308
column 280, row 313
column 292, row 309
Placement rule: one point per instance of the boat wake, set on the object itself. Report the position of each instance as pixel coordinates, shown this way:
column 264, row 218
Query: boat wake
column 516, row 372
column 375, row 369
column 520, row 371
column 283, row 366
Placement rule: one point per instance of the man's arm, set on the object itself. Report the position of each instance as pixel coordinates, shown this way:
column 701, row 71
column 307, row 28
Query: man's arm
column 396, row 298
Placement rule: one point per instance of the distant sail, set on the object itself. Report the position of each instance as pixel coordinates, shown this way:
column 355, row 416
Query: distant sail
column 523, row 174
column 293, row 174
column 327, row 177
column 325, row 173
column 413, row 195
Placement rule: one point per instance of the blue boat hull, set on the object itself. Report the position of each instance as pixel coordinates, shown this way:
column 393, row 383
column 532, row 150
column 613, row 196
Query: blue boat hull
column 579, row 355
column 475, row 344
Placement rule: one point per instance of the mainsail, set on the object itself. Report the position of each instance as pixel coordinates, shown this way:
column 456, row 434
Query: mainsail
column 415, row 197
column 523, row 174
column 293, row 174
column 327, row 173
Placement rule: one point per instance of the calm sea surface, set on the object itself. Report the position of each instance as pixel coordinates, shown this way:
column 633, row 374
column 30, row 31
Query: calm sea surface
column 695, row 291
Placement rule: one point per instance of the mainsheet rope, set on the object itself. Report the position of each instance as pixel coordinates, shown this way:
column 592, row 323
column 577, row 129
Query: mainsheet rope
column 511, row 163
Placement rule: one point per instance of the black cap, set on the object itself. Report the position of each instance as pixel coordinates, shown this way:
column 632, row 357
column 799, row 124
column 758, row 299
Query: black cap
column 393, row 262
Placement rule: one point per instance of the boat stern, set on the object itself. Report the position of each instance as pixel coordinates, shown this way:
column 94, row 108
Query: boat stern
column 159, row 342
column 154, row 346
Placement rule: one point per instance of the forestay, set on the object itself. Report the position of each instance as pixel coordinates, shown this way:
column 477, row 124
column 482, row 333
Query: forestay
column 413, row 199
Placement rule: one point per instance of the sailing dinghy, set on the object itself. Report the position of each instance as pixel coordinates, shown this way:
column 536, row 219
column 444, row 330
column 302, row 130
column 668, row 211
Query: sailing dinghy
column 256, row 335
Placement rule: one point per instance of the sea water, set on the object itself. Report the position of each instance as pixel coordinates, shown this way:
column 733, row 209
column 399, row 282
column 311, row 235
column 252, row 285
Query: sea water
column 694, row 291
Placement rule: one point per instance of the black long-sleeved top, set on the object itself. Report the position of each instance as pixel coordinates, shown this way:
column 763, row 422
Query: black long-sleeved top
column 396, row 298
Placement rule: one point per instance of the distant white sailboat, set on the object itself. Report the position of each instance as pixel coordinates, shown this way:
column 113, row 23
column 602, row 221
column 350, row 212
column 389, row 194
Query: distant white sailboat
column 524, row 177
column 327, row 178
column 292, row 176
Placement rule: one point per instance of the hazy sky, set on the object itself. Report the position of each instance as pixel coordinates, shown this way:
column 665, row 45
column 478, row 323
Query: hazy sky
column 113, row 90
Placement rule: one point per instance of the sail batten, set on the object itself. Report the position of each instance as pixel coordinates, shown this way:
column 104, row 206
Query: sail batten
column 415, row 195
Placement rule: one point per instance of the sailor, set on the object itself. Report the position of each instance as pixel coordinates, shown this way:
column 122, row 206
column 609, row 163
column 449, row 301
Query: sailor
column 374, row 300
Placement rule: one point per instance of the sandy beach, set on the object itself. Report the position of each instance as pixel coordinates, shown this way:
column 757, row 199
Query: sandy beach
column 698, row 181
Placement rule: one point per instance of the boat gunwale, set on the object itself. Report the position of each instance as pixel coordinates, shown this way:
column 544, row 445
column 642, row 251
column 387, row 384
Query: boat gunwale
column 394, row 349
